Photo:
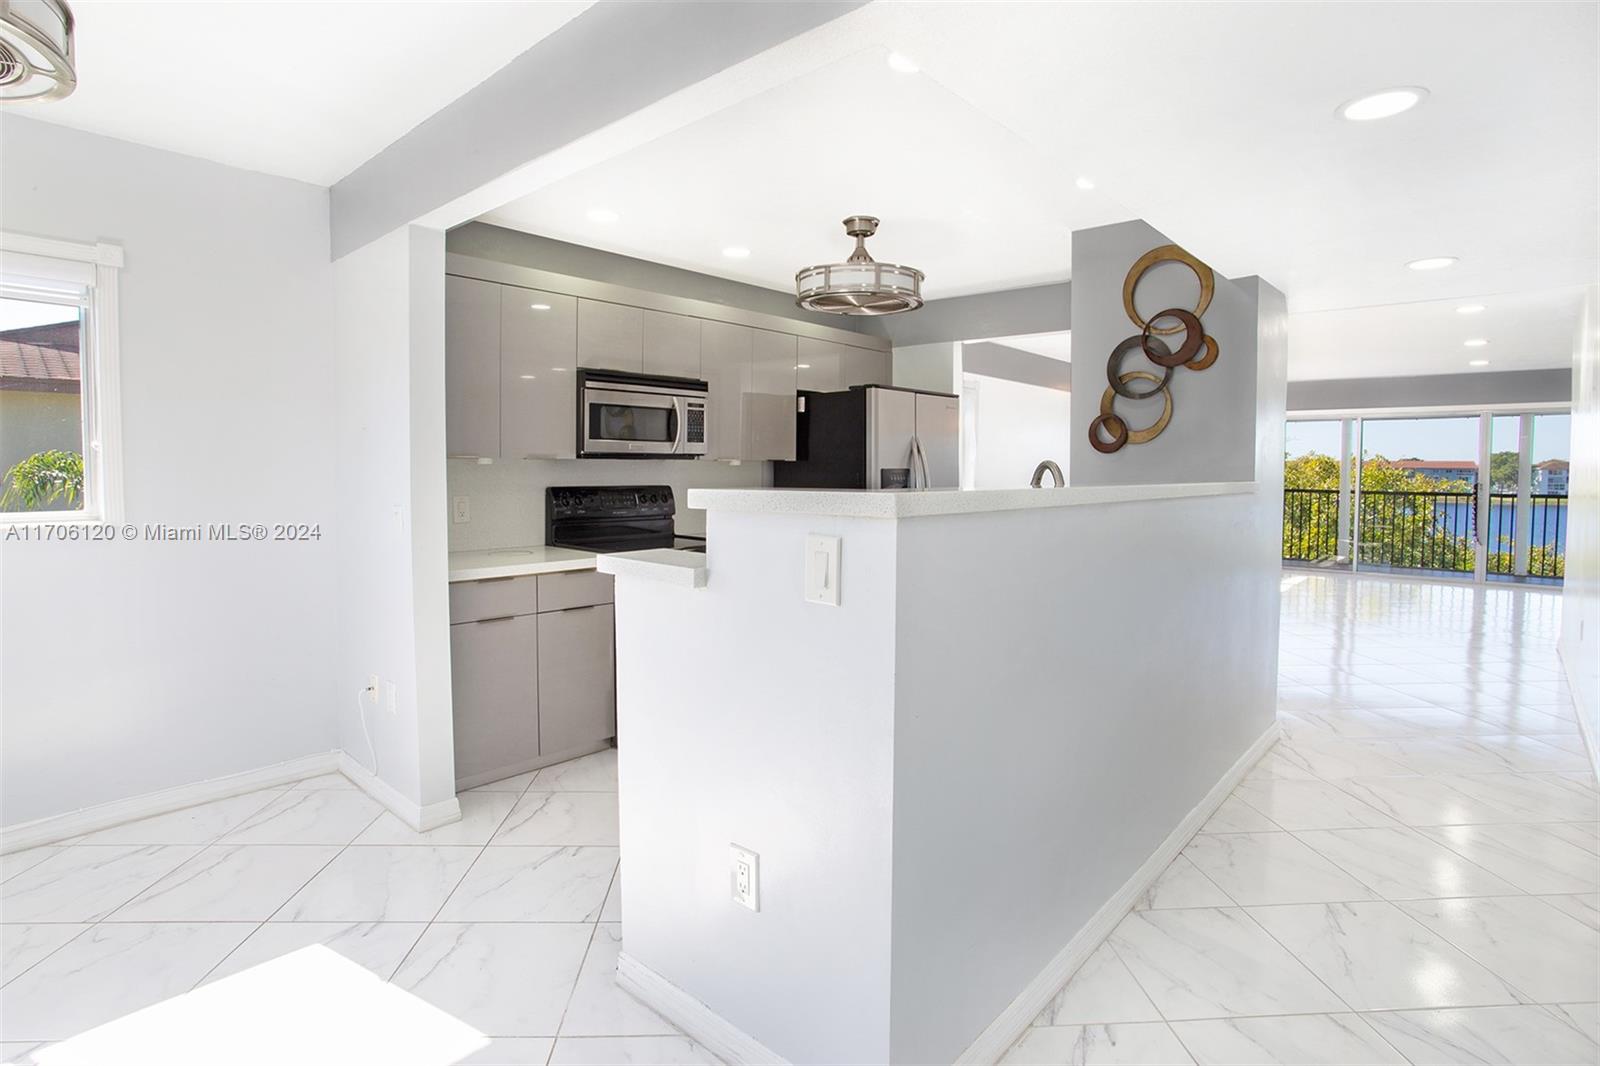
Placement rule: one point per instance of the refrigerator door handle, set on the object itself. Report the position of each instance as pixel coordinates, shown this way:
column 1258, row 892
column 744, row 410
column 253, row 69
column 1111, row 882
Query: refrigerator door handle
column 920, row 458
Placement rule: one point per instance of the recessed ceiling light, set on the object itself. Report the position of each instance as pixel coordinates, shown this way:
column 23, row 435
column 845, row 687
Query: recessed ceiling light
column 526, row 377
column 1477, row 362
column 603, row 214
column 1469, row 309
column 1385, row 104
column 901, row 63
column 736, row 252
column 1438, row 262
column 1084, row 183
column 1475, row 342
column 538, row 307
column 802, row 366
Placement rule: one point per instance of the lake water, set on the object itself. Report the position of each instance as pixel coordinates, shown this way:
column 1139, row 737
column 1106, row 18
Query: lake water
column 1549, row 523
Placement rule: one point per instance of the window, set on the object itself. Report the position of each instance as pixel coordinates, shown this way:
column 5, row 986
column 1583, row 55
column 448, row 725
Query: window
column 58, row 381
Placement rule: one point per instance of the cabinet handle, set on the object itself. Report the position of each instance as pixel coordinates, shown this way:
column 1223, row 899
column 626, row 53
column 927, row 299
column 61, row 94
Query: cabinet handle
column 508, row 577
column 498, row 618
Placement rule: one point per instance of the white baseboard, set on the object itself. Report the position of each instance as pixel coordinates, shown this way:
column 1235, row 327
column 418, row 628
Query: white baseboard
column 416, row 816
column 1006, row 1029
column 702, row 1024
column 1591, row 743
column 105, row 815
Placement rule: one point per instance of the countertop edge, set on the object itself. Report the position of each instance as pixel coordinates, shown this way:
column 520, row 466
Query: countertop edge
column 681, row 568
column 464, row 568
column 924, row 504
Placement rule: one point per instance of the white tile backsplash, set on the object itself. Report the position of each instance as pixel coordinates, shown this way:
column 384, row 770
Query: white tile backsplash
column 508, row 495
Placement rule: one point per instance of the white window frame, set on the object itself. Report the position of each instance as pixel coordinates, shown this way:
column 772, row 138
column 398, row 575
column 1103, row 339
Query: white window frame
column 99, row 359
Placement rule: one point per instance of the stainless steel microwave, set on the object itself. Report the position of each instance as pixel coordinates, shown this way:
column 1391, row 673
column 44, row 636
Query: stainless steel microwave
column 640, row 416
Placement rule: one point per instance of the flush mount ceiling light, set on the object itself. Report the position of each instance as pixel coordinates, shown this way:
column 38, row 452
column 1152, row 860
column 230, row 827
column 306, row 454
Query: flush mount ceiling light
column 603, row 214
column 736, row 252
column 1085, row 184
column 538, row 307
column 1477, row 362
column 1385, row 104
column 1469, row 309
column 36, row 50
column 860, row 285
column 1476, row 342
column 1438, row 262
column 901, row 63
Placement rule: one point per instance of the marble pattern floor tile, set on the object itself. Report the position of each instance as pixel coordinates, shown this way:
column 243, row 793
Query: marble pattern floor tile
column 110, row 971
column 1534, row 858
column 591, row 773
column 1182, row 885
column 1137, row 1044
column 16, row 862
column 398, row 883
column 1509, row 1036
column 1554, row 797
column 612, row 911
column 1404, row 863
column 511, row 1051
column 1585, row 908
column 515, row 785
column 481, row 814
column 1236, row 816
column 1304, row 1040
column 1257, row 868
column 200, row 824
column 1548, row 955
column 561, row 818
column 631, row 1051
column 376, row 946
column 532, row 884
column 1377, row 958
column 1311, row 805
column 1418, row 800
column 1216, row 963
column 1102, row 992
column 22, row 946
column 228, row 883
column 323, row 816
column 502, row 979
column 88, row 882
column 598, row 1007
column 335, row 781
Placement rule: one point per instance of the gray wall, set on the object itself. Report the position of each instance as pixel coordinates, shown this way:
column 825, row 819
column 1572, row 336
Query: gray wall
column 1036, row 309
column 611, row 61
column 1212, row 435
column 503, row 245
column 1014, row 364
column 1439, row 390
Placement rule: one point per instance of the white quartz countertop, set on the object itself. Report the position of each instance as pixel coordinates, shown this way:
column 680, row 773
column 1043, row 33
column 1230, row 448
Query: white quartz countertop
column 687, row 569
column 922, row 503
column 516, row 562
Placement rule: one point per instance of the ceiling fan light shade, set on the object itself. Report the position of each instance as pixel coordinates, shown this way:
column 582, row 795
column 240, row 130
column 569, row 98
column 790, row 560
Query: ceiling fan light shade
column 860, row 285
column 36, row 50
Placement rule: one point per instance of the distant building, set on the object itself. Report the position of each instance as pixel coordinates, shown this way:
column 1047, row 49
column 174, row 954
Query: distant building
column 1550, row 477
column 40, row 379
column 1440, row 469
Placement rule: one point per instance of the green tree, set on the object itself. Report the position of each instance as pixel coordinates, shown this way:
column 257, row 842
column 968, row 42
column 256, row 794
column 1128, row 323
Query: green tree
column 1503, row 471
column 1400, row 520
column 42, row 479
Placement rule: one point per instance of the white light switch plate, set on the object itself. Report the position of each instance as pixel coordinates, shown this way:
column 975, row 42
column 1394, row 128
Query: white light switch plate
column 822, row 569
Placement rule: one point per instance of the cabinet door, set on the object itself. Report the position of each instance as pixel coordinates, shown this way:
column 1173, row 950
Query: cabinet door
column 671, row 344
column 863, row 366
column 768, row 415
column 610, row 336
column 819, row 365
column 494, row 690
column 577, row 678
column 725, row 363
column 471, row 367
column 538, row 353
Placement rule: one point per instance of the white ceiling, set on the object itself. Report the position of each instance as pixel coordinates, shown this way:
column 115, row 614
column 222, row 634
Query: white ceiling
column 301, row 90
column 1216, row 122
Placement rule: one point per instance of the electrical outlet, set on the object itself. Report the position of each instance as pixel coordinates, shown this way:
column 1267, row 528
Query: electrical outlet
column 389, row 694
column 372, row 687
column 461, row 509
column 746, row 877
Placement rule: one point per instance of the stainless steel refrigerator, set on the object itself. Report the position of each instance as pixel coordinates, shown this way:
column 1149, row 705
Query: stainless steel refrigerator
column 875, row 437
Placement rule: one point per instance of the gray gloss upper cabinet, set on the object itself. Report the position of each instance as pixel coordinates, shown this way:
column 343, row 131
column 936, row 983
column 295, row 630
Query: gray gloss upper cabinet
column 538, row 354
column 471, row 367
column 577, row 678
column 865, row 366
column 726, row 352
column 610, row 336
column 768, row 422
column 819, row 365
column 671, row 344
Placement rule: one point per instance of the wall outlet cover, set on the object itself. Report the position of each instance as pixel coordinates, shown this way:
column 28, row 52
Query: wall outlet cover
column 745, row 877
column 461, row 509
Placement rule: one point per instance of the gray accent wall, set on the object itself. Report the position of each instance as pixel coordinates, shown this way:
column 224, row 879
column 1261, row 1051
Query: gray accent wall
column 1439, row 390
column 611, row 61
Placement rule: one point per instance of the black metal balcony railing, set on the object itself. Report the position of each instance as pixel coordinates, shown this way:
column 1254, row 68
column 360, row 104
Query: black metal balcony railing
column 1425, row 530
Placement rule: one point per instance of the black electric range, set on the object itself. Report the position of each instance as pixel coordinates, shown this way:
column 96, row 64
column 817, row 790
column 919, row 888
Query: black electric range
column 614, row 518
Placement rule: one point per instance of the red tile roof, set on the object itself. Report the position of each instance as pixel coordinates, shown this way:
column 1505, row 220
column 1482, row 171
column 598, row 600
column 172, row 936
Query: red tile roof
column 1434, row 464
column 40, row 358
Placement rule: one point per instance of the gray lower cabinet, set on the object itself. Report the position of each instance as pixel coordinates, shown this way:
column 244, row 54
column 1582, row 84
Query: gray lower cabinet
column 494, row 687
column 610, row 336
column 538, row 357
column 577, row 678
column 472, row 368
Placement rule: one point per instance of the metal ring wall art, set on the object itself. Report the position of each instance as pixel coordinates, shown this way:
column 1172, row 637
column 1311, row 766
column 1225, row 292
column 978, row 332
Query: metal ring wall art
column 1110, row 432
